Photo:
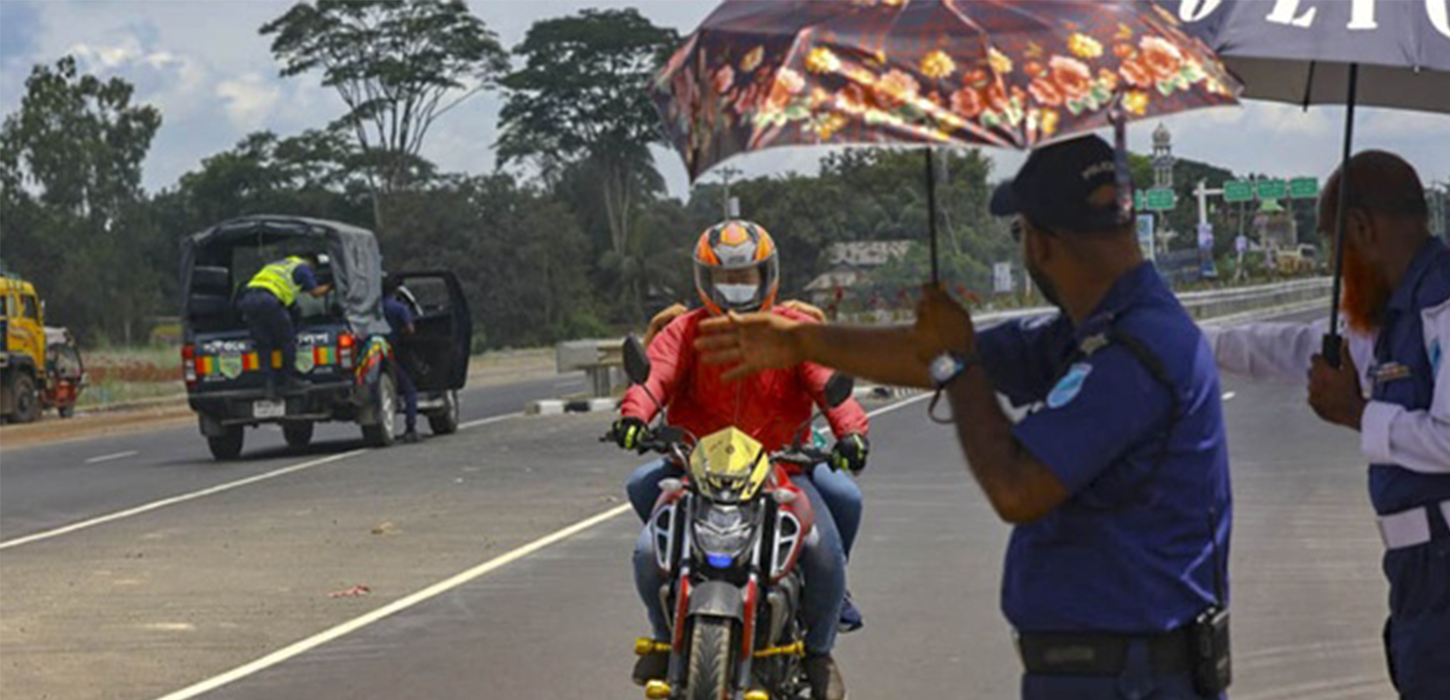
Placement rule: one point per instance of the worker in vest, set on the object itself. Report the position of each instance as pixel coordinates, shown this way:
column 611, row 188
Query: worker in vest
column 265, row 304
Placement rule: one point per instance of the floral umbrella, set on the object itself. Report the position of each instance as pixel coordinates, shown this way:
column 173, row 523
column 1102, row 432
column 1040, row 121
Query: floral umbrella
column 756, row 75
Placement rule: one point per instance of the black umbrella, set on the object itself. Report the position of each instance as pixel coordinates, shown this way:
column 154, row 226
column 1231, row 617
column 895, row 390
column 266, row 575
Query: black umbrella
column 1316, row 53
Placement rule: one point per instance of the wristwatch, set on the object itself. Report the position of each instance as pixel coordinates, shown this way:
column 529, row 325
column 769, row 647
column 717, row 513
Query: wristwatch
column 950, row 365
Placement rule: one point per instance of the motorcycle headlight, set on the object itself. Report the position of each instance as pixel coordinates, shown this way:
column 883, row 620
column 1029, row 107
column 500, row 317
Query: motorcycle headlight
column 723, row 533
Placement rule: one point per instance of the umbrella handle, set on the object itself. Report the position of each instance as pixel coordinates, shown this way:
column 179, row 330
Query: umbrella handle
column 931, row 214
column 1119, row 119
column 1332, row 341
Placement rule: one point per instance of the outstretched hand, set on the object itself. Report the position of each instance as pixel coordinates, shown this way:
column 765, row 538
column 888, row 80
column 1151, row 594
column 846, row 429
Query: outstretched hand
column 752, row 342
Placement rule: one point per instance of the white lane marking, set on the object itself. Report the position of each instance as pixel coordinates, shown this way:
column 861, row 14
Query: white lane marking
column 219, row 488
column 107, row 458
column 1229, row 395
column 398, row 605
column 425, row 594
column 899, row 404
column 487, row 421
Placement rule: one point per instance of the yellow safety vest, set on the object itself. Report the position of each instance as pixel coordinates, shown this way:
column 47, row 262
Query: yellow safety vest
column 277, row 279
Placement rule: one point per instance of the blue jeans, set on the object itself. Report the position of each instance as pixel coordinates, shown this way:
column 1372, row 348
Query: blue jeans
column 1137, row 682
column 841, row 494
column 409, row 391
column 823, row 563
column 271, row 329
column 1417, row 636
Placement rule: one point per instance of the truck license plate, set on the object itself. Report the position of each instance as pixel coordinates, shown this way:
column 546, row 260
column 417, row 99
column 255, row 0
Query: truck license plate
column 269, row 409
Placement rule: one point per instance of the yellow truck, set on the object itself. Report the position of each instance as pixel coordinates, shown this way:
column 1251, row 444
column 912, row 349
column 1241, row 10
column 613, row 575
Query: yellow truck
column 22, row 351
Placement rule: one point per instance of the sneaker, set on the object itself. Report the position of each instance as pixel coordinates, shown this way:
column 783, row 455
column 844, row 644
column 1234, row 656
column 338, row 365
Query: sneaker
column 411, row 437
column 825, row 678
column 850, row 616
column 651, row 667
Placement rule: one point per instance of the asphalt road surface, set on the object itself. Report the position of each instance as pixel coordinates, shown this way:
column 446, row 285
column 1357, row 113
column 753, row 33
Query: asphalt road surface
column 496, row 564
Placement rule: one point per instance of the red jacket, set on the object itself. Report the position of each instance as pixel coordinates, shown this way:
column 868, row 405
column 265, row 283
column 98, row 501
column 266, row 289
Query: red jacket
column 769, row 405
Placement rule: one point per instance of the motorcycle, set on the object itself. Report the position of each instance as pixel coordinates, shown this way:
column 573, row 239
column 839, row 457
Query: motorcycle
column 727, row 537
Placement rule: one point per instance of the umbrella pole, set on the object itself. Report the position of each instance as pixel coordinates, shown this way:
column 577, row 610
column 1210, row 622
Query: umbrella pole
column 1332, row 342
column 931, row 214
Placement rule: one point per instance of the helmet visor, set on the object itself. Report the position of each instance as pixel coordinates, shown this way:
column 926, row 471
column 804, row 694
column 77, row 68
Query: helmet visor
column 742, row 288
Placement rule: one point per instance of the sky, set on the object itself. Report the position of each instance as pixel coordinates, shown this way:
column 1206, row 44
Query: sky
column 203, row 64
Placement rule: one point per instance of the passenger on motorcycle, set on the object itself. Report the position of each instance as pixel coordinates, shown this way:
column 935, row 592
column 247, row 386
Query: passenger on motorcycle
column 737, row 269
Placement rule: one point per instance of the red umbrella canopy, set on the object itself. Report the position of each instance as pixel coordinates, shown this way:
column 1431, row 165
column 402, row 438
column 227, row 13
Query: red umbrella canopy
column 939, row 72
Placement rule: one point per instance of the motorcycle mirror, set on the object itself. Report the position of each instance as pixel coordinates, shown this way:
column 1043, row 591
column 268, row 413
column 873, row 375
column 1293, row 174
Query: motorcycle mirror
column 636, row 360
column 839, row 388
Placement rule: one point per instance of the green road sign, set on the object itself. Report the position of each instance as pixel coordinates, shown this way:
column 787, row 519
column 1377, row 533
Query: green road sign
column 1238, row 191
column 1304, row 187
column 1161, row 199
column 1271, row 189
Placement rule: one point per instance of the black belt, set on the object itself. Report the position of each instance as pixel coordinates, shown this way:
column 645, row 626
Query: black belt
column 1099, row 654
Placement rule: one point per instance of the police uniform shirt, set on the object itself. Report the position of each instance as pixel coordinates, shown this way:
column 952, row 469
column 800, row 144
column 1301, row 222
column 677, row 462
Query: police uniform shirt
column 1129, row 551
column 1405, row 429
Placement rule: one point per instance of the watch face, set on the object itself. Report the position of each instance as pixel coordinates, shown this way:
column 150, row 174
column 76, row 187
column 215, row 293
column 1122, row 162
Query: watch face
column 943, row 368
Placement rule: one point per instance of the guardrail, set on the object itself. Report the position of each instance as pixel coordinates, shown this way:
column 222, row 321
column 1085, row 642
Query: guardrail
column 602, row 360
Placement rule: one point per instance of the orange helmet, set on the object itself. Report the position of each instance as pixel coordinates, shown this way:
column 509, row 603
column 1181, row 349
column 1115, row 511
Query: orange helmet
column 737, row 267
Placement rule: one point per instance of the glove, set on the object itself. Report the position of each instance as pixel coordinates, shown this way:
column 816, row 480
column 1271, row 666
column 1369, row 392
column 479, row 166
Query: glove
column 629, row 432
column 850, row 453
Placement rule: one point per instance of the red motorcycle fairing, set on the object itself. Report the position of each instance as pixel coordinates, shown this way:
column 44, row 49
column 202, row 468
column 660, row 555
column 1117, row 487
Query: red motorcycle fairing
column 795, row 521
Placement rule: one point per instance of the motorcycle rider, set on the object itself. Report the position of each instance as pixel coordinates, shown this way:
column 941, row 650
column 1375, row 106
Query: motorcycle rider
column 737, row 268
column 839, row 491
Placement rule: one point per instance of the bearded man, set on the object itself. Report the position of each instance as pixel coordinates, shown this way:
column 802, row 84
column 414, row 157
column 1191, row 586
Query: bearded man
column 1397, row 308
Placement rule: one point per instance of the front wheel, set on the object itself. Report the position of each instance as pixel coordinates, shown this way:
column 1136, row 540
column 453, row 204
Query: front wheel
column 298, row 434
column 385, row 431
column 27, row 401
column 711, row 659
column 446, row 422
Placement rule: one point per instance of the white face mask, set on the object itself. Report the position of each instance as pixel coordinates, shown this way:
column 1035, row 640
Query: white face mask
column 737, row 293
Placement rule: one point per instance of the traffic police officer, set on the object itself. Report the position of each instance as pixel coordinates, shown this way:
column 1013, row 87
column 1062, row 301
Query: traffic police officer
column 1117, row 478
column 400, row 324
column 1397, row 304
column 264, row 306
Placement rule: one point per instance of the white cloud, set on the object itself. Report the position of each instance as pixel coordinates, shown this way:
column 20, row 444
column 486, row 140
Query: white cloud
column 249, row 100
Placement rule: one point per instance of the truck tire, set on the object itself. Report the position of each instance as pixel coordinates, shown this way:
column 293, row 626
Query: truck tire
column 27, row 401
column 385, row 411
column 446, row 421
column 298, row 434
column 228, row 445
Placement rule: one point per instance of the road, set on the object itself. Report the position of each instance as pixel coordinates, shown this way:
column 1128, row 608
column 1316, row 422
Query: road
column 501, row 554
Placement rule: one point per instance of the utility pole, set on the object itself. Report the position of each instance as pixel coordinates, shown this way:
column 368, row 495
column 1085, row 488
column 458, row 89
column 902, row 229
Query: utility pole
column 726, row 174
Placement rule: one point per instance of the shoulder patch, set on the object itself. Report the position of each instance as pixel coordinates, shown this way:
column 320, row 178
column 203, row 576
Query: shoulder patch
column 1068, row 387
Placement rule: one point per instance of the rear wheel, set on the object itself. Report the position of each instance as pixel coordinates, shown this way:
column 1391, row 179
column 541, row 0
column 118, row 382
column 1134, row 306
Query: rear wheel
column 27, row 402
column 385, row 411
column 298, row 434
column 228, row 445
column 711, row 660
column 446, row 423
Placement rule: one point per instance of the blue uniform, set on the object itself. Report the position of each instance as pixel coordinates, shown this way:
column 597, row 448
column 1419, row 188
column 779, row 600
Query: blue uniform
column 270, row 325
column 1130, row 552
column 399, row 317
column 1408, row 359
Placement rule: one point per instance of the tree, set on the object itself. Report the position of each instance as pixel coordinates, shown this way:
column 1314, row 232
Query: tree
column 398, row 65
column 311, row 174
column 580, row 108
column 75, row 220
